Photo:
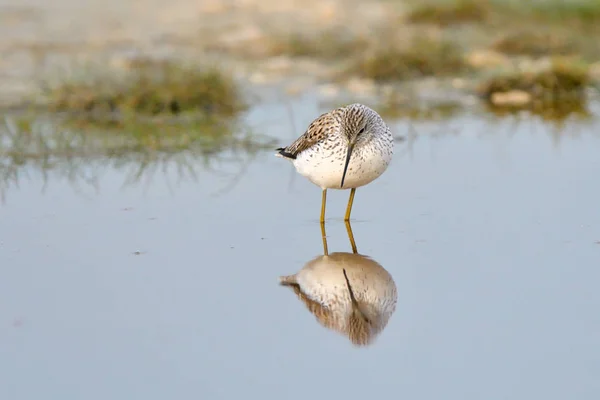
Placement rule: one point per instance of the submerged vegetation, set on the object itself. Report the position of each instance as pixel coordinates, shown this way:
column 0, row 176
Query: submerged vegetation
column 394, row 106
column 329, row 45
column 152, row 105
column 576, row 13
column 534, row 43
column 422, row 56
column 150, row 88
column 39, row 136
column 154, row 113
column 42, row 145
column 445, row 13
column 148, row 112
column 553, row 92
column 502, row 31
column 496, row 37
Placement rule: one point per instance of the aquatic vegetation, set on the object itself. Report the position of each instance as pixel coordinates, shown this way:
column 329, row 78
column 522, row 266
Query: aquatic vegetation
column 449, row 12
column 577, row 13
column 423, row 56
column 396, row 107
column 143, row 117
column 534, row 43
column 584, row 13
column 149, row 88
column 148, row 106
column 330, row 44
column 557, row 90
column 38, row 136
column 41, row 145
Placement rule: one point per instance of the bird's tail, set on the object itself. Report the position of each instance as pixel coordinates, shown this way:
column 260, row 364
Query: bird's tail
column 284, row 154
column 289, row 280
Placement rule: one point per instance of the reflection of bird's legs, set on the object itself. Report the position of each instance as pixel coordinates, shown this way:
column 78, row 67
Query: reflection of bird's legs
column 350, row 201
column 323, row 202
column 324, row 236
column 351, row 237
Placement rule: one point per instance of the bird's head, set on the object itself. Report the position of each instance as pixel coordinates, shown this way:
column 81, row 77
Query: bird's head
column 358, row 125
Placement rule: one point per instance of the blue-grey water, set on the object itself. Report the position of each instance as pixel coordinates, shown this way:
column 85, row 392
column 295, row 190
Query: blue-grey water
column 169, row 289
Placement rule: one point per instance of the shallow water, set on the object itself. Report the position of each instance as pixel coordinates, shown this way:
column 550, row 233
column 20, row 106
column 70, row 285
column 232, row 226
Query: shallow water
column 490, row 230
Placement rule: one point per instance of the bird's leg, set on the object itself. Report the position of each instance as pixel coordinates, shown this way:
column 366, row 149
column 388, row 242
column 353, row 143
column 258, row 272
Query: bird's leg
column 323, row 234
column 350, row 201
column 323, row 202
column 324, row 237
column 351, row 237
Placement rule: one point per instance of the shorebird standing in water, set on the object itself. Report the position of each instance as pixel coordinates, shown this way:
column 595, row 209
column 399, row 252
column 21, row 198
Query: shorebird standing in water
column 346, row 148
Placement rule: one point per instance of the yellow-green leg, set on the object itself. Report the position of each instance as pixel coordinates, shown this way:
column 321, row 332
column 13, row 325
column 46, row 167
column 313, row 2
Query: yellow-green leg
column 323, row 202
column 323, row 233
column 350, row 201
column 351, row 237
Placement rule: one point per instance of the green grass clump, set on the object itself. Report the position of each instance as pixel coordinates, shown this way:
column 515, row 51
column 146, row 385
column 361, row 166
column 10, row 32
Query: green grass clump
column 576, row 13
column 535, row 44
column 422, row 57
column 449, row 12
column 555, row 91
column 325, row 45
column 150, row 106
column 152, row 88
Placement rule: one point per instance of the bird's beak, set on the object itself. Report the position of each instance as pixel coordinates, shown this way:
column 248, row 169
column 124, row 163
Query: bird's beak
column 348, row 155
column 355, row 305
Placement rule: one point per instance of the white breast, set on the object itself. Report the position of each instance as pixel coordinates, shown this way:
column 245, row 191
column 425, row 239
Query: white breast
column 323, row 164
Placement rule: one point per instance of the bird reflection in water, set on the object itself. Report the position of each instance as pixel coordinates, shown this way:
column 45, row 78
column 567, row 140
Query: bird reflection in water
column 347, row 292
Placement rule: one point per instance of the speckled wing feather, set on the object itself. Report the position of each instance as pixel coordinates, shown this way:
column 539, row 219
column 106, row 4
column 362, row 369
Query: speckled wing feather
column 324, row 315
column 317, row 130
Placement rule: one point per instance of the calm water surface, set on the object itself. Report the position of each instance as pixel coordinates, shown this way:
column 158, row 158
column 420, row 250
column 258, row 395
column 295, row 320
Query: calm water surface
column 489, row 229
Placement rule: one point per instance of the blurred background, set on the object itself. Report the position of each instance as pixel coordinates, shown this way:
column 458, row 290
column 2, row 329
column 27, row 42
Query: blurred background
column 145, row 78
column 144, row 219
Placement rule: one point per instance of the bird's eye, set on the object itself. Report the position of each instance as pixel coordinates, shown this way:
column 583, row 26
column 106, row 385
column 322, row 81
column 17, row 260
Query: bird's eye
column 361, row 131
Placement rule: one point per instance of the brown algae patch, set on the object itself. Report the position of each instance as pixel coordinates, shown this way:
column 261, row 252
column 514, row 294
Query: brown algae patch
column 423, row 56
column 557, row 90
